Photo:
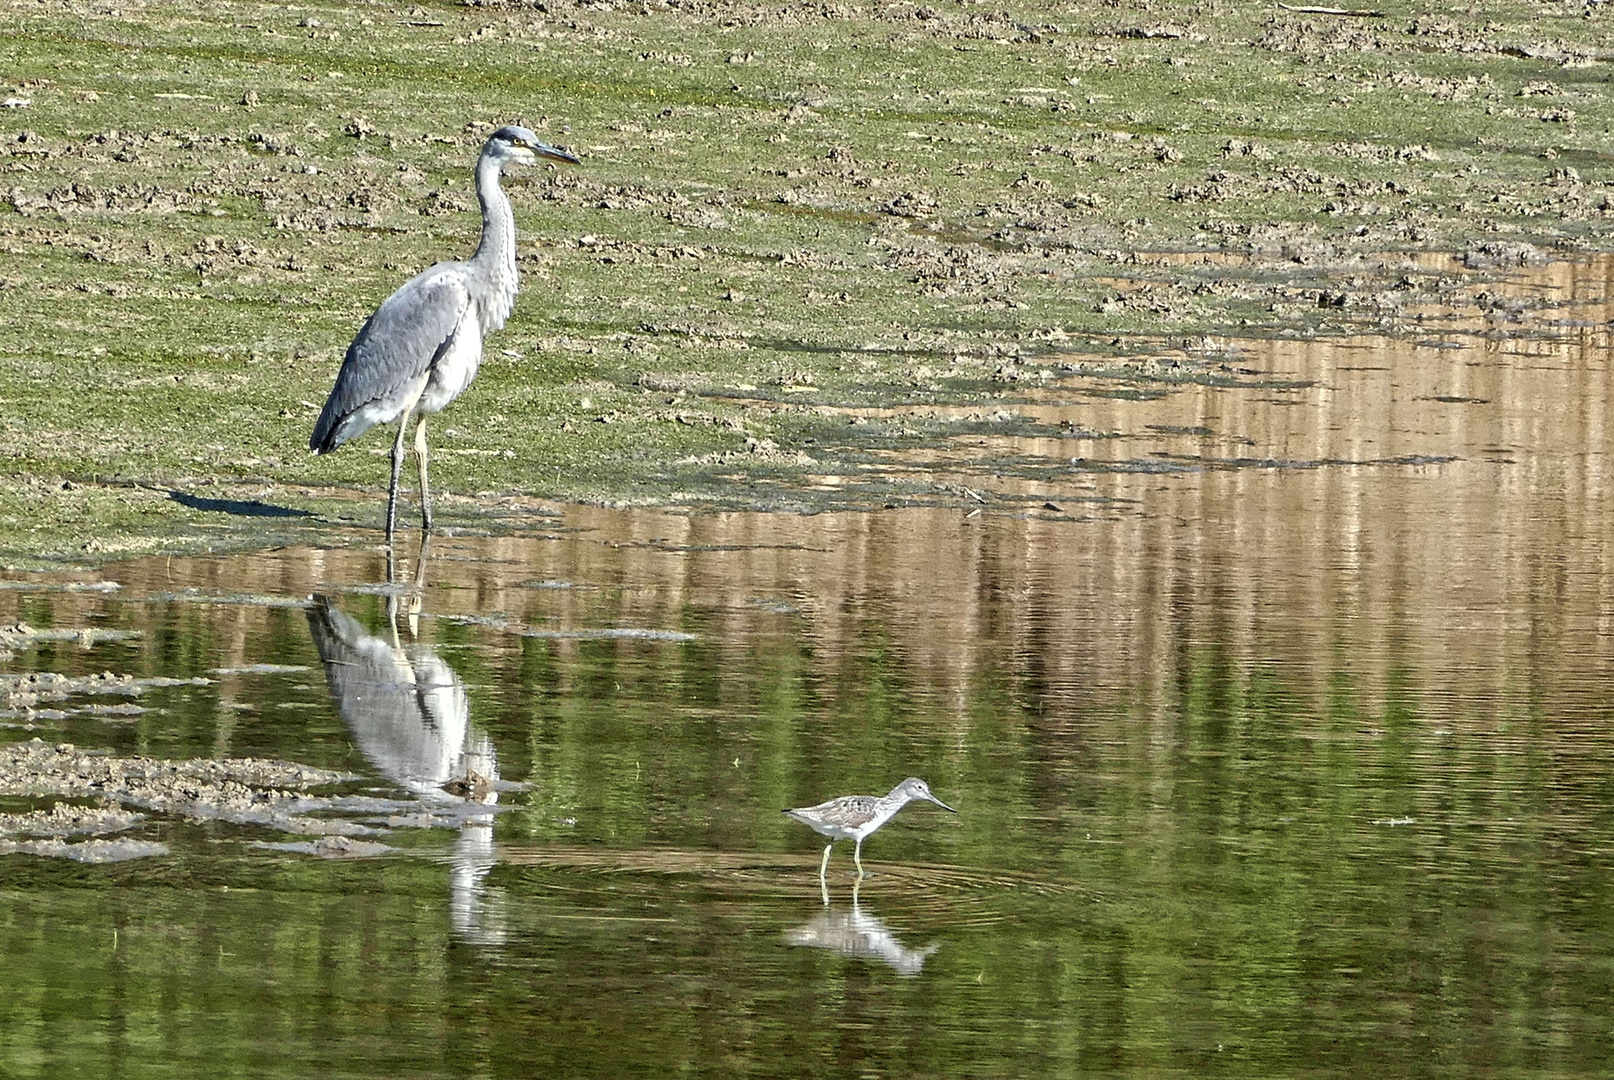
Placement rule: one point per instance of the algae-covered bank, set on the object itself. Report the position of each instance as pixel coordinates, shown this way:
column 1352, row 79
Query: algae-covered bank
column 793, row 222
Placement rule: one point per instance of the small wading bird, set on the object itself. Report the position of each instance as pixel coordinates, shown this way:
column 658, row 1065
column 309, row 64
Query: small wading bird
column 853, row 817
column 422, row 346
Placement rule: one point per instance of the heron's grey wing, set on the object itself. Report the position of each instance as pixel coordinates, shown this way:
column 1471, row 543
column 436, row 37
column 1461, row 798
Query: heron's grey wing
column 390, row 354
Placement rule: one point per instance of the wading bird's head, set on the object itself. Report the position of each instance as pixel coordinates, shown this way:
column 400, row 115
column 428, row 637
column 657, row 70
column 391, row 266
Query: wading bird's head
column 515, row 143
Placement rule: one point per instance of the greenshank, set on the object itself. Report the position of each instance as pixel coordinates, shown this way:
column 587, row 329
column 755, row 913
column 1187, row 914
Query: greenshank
column 853, row 817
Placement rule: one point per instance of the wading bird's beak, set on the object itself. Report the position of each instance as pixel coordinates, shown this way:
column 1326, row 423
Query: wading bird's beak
column 943, row 805
column 553, row 153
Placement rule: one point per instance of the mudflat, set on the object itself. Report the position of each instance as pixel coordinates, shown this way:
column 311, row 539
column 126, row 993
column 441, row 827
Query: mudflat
column 793, row 224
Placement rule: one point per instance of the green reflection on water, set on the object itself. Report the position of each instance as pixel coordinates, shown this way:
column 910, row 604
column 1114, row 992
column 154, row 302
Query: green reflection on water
column 1249, row 852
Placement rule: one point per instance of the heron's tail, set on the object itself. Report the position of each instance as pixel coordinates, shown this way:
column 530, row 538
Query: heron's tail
column 329, row 431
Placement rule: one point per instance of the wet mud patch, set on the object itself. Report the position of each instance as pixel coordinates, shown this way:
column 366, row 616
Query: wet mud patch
column 18, row 636
column 130, row 793
column 85, row 851
column 51, row 832
column 241, row 787
column 37, row 696
column 328, row 847
column 66, row 819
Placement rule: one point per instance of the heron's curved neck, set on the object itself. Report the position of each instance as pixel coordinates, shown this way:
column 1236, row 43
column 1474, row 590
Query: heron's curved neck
column 496, row 255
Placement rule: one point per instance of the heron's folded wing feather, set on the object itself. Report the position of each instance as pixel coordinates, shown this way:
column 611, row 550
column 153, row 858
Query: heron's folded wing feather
column 398, row 344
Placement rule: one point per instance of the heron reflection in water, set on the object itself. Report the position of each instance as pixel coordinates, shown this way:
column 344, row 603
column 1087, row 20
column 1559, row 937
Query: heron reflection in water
column 859, row 934
column 409, row 715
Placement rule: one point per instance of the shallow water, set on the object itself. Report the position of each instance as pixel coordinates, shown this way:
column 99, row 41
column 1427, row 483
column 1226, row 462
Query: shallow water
column 1276, row 713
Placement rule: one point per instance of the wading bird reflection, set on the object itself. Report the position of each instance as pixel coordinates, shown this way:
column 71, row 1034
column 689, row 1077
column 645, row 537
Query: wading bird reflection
column 857, row 933
column 423, row 345
column 854, row 817
column 408, row 713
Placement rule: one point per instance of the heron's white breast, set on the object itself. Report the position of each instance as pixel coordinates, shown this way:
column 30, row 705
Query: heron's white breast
column 494, row 309
column 456, row 368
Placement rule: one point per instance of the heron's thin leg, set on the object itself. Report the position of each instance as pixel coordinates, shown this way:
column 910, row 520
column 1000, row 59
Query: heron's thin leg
column 397, row 473
column 857, row 857
column 420, row 569
column 823, row 866
column 392, row 593
column 417, row 595
column 422, row 453
column 392, row 623
column 823, row 890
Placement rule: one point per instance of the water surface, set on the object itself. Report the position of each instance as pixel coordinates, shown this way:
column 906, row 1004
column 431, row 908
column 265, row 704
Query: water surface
column 1276, row 711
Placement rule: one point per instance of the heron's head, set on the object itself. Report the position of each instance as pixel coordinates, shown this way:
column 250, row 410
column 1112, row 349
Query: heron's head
column 515, row 143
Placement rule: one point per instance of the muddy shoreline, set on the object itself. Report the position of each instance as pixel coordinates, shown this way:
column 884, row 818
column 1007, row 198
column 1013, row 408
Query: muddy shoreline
column 793, row 223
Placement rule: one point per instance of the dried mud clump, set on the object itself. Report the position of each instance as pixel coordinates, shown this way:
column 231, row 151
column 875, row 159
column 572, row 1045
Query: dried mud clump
column 206, row 786
column 243, row 791
column 18, row 636
column 45, row 832
column 34, row 695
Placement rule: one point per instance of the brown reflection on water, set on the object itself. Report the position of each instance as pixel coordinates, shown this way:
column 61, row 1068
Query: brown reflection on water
column 1428, row 525
column 1472, row 572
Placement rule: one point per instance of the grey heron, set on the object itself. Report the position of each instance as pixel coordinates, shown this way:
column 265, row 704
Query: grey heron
column 422, row 346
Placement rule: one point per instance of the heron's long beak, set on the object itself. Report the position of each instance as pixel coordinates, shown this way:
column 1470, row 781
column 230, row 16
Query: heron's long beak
column 553, row 153
column 941, row 804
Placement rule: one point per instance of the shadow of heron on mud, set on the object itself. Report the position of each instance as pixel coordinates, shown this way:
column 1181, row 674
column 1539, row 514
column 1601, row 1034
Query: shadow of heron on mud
column 236, row 507
column 409, row 715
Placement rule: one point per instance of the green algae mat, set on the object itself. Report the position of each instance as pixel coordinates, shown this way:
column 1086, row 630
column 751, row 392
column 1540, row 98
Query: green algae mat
column 785, row 211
